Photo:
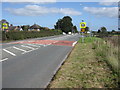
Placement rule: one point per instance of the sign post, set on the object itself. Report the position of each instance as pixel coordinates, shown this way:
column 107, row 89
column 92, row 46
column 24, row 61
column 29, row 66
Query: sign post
column 83, row 26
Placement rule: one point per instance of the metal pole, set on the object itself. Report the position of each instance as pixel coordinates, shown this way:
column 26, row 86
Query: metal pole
column 82, row 38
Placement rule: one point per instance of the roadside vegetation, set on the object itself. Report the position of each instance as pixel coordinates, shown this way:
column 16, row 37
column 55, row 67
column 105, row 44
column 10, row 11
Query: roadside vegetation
column 92, row 64
column 11, row 32
column 107, row 49
column 20, row 35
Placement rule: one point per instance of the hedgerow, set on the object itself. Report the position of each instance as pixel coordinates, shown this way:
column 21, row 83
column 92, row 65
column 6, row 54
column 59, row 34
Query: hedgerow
column 20, row 35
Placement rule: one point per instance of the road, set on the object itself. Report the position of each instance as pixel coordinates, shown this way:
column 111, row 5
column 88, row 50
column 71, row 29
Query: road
column 32, row 63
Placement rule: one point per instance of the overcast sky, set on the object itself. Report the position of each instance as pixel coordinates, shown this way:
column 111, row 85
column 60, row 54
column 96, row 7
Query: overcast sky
column 96, row 14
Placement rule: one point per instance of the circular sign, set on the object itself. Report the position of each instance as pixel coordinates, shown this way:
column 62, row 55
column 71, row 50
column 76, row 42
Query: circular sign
column 5, row 25
column 82, row 25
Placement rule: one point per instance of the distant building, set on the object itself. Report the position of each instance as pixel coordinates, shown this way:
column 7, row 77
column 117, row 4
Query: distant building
column 11, row 27
column 35, row 27
column 15, row 28
column 6, row 27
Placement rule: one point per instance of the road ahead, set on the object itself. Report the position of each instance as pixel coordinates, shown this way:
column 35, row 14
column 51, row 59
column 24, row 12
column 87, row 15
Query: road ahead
column 32, row 63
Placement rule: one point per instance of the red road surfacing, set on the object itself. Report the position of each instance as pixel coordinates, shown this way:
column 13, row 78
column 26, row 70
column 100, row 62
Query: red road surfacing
column 46, row 42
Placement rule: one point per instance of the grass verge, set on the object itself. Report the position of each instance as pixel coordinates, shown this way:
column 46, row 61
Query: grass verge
column 85, row 69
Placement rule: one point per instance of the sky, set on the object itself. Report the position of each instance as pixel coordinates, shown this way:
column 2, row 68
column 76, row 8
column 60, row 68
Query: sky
column 46, row 14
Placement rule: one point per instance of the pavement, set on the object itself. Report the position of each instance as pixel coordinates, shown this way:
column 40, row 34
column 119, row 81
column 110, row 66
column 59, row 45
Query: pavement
column 32, row 63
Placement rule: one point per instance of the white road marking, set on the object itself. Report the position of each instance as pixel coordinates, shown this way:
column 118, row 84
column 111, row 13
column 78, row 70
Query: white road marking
column 3, row 59
column 74, row 43
column 44, row 45
column 9, row 52
column 34, row 45
column 41, row 44
column 29, row 51
column 55, row 42
column 28, row 47
column 49, row 43
column 19, row 49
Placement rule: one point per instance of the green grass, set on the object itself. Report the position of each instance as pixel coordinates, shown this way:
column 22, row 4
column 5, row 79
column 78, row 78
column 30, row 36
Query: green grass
column 108, row 52
column 6, row 41
column 83, row 69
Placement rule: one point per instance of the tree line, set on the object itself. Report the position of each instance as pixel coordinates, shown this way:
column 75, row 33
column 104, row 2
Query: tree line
column 102, row 32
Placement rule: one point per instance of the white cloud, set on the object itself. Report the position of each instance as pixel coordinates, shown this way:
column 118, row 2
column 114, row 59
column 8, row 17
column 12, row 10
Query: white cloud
column 36, row 10
column 109, row 2
column 103, row 11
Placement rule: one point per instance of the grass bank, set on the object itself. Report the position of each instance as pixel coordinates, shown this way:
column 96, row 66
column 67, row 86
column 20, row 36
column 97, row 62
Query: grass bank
column 85, row 68
column 107, row 49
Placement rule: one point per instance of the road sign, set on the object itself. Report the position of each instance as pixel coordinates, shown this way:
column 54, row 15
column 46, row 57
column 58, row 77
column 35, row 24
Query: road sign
column 83, row 25
column 4, row 26
column 82, row 29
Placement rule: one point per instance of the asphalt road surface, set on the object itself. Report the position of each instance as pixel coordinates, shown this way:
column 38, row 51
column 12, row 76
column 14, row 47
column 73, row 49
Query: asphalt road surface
column 32, row 63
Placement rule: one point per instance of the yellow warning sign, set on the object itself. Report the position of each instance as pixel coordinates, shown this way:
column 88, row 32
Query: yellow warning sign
column 4, row 26
column 83, row 25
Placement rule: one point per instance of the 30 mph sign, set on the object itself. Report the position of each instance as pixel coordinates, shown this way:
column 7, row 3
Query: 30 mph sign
column 83, row 25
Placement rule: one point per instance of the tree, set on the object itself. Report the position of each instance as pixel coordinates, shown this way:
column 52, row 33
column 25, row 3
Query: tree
column 64, row 24
column 87, row 29
column 25, row 27
column 103, row 30
column 98, row 31
column 75, row 29
column 11, row 24
column 59, row 24
column 113, row 31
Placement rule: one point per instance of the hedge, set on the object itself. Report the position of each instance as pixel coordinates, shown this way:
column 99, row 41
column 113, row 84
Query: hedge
column 19, row 35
